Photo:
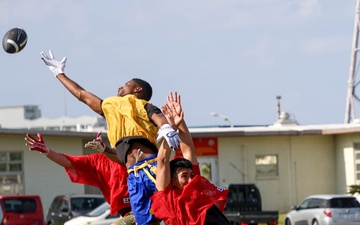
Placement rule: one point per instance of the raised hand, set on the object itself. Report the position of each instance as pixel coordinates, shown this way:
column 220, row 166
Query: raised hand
column 36, row 145
column 96, row 144
column 170, row 135
column 172, row 109
column 54, row 66
column 174, row 100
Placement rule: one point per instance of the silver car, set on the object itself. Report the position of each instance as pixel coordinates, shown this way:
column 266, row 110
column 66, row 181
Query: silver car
column 325, row 210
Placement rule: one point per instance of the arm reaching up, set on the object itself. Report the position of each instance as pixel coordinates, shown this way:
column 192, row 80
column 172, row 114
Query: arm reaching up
column 54, row 66
column 163, row 176
column 173, row 110
column 167, row 130
column 57, row 68
column 39, row 146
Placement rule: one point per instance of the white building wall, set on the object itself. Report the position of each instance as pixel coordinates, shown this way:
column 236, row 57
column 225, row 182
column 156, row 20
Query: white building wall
column 305, row 165
column 17, row 117
column 314, row 165
column 42, row 176
column 345, row 160
column 11, row 115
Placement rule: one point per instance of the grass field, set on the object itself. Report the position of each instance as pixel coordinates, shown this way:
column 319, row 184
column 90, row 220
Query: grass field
column 281, row 219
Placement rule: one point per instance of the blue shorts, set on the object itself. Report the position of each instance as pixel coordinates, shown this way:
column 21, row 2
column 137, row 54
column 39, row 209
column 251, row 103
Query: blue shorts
column 141, row 188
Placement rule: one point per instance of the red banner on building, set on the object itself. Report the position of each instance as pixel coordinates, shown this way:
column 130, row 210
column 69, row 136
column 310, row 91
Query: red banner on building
column 204, row 147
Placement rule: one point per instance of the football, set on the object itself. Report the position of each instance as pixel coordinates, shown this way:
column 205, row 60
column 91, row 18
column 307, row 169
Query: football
column 14, row 40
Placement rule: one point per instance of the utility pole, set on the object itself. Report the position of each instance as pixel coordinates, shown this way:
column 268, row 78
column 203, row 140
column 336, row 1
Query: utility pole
column 351, row 96
column 278, row 106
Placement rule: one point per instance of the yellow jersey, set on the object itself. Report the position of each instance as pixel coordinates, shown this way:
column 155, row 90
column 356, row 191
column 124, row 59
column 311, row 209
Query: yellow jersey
column 127, row 116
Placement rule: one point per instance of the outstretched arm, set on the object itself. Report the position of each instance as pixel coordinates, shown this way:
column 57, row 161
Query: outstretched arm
column 187, row 145
column 57, row 67
column 39, row 146
column 81, row 94
column 173, row 111
column 163, row 176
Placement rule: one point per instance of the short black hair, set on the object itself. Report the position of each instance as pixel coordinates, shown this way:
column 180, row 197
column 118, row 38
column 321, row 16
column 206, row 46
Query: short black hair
column 146, row 93
column 179, row 163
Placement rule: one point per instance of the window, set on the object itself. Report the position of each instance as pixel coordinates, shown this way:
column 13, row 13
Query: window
column 64, row 206
column 11, row 173
column 357, row 161
column 266, row 165
column 20, row 205
column 304, row 204
column 205, row 170
column 343, row 203
column 316, row 203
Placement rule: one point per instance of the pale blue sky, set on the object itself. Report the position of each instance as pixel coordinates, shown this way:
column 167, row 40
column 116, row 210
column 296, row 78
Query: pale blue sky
column 228, row 56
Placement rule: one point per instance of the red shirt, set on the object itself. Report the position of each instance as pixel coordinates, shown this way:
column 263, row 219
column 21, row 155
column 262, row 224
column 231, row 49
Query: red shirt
column 99, row 171
column 188, row 206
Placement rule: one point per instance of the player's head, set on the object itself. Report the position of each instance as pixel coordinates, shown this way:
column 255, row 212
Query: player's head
column 131, row 143
column 138, row 87
column 181, row 172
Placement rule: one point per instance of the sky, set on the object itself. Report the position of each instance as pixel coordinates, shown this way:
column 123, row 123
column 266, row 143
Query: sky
column 232, row 57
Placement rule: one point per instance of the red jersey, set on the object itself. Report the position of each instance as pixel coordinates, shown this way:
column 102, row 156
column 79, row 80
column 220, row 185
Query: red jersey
column 188, row 206
column 99, row 171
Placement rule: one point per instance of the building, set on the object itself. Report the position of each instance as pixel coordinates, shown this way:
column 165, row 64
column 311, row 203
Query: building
column 287, row 163
column 285, row 160
column 29, row 117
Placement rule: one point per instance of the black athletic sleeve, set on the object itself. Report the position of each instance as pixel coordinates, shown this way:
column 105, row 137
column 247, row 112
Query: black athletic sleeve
column 102, row 113
column 151, row 109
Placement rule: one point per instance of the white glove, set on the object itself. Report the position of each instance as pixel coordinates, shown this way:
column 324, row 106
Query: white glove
column 54, row 66
column 170, row 135
column 96, row 144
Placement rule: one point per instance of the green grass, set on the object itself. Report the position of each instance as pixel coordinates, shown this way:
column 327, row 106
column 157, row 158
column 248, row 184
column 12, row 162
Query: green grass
column 281, row 218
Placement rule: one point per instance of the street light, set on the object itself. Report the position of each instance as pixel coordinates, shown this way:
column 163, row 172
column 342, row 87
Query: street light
column 226, row 118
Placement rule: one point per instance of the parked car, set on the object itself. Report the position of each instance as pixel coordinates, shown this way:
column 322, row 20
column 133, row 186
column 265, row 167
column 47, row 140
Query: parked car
column 1, row 213
column 66, row 207
column 21, row 209
column 244, row 206
column 99, row 216
column 325, row 210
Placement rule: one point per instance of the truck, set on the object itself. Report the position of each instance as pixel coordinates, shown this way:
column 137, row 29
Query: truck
column 243, row 206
